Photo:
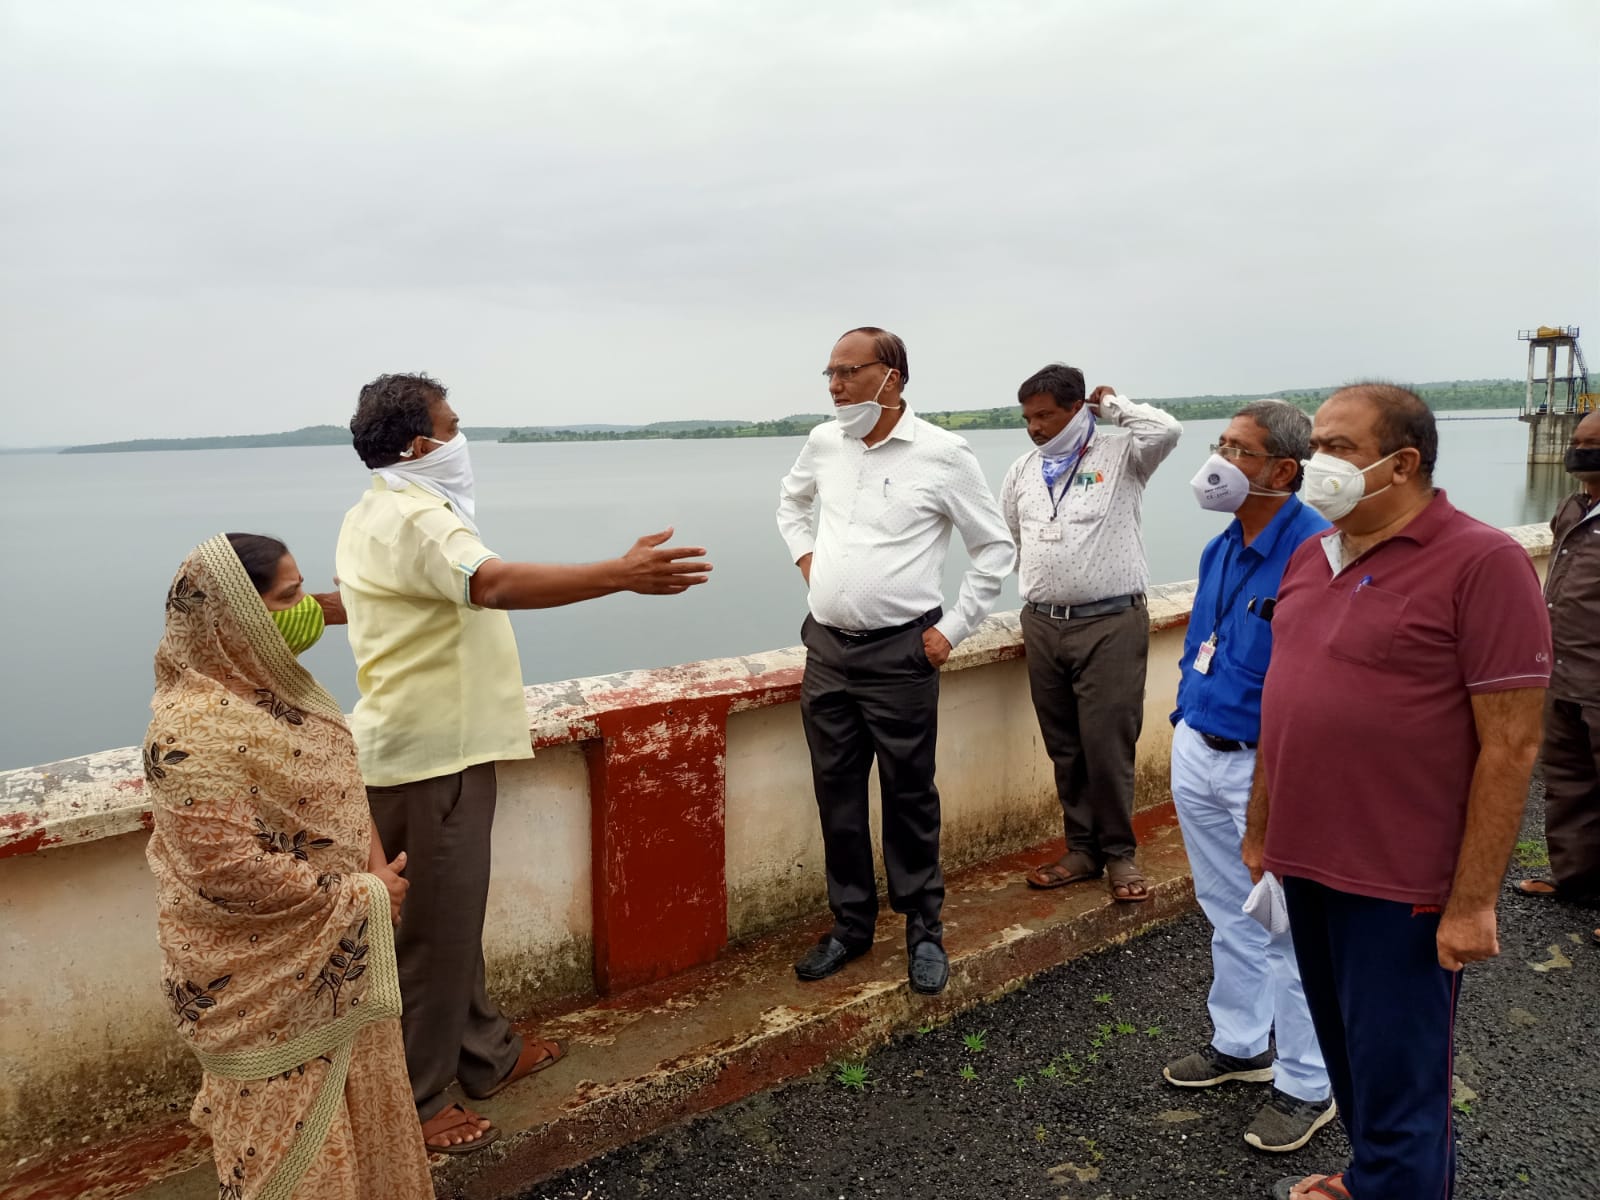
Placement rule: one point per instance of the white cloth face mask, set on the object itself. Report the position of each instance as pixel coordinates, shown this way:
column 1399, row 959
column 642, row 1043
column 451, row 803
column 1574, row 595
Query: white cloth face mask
column 1334, row 487
column 858, row 420
column 1066, row 442
column 446, row 472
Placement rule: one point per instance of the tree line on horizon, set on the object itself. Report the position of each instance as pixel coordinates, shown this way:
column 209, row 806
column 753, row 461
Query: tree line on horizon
column 1449, row 396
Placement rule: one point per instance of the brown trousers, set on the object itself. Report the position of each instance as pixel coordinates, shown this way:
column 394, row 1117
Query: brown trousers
column 452, row 1029
column 1087, row 679
column 1571, row 754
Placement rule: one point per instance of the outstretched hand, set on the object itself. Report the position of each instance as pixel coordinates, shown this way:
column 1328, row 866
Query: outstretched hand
column 654, row 570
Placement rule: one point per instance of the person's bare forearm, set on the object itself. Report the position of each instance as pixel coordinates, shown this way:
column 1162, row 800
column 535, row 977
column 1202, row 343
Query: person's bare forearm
column 544, row 585
column 1255, row 820
column 1494, row 814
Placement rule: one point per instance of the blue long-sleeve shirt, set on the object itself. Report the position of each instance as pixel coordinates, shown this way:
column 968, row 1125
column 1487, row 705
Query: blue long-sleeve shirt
column 1235, row 582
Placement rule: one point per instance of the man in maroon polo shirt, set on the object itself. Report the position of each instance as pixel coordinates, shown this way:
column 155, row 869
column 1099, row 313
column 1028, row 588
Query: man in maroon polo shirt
column 1399, row 724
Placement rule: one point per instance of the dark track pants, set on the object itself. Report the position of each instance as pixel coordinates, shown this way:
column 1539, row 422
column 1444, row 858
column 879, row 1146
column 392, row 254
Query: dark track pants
column 1384, row 1011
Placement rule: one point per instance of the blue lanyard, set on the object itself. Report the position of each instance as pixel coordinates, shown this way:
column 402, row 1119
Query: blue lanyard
column 1216, row 620
column 1072, row 473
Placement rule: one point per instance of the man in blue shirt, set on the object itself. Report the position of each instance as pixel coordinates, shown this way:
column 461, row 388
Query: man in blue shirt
column 1253, row 473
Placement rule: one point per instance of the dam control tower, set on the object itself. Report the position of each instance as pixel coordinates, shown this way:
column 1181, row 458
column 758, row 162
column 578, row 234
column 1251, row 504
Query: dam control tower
column 1554, row 409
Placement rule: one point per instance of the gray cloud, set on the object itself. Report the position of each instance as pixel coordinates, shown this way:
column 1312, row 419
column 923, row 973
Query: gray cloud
column 224, row 218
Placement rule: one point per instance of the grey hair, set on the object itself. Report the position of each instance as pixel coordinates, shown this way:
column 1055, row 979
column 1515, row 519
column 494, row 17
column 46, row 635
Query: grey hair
column 1288, row 430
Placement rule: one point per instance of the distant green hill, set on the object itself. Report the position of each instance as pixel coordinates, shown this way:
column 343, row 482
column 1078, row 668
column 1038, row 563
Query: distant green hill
column 1442, row 397
column 310, row 435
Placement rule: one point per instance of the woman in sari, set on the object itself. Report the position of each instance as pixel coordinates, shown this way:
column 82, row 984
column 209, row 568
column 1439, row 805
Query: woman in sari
column 276, row 908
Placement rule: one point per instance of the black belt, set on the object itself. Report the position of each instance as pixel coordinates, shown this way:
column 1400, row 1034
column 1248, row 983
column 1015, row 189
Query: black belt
column 860, row 637
column 1095, row 608
column 1225, row 745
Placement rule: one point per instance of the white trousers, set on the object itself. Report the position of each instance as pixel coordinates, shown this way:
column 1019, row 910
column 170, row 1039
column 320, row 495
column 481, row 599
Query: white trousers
column 1255, row 984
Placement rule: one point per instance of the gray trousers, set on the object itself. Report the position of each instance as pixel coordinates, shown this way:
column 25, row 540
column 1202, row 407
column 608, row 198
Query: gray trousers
column 862, row 701
column 452, row 1029
column 1571, row 754
column 1087, row 679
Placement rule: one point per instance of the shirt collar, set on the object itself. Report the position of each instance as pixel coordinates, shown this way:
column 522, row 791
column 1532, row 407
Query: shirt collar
column 904, row 429
column 1266, row 543
column 1420, row 529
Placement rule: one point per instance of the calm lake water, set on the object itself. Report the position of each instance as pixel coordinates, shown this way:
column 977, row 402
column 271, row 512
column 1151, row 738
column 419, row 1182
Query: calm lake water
column 99, row 537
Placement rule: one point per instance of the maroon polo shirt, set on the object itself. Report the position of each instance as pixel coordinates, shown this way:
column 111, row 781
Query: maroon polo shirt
column 1367, row 735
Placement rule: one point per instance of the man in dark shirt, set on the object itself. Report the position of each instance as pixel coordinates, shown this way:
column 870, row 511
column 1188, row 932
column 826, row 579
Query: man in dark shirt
column 1571, row 749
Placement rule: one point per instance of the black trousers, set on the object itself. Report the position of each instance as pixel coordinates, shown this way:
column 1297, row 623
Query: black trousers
column 1571, row 756
column 452, row 1029
column 863, row 700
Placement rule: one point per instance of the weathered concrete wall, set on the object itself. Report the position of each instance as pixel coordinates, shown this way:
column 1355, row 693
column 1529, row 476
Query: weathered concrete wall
column 85, row 1038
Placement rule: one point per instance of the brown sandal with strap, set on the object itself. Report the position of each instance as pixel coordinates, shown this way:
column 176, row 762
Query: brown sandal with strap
column 1128, row 884
column 1074, row 866
column 447, row 1121
column 1327, row 1187
column 537, row 1054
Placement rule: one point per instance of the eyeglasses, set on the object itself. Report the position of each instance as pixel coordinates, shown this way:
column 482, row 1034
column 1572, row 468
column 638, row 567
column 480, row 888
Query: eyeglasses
column 846, row 374
column 1234, row 453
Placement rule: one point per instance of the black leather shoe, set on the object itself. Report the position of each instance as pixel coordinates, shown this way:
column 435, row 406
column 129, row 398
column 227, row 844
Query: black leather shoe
column 826, row 957
column 929, row 968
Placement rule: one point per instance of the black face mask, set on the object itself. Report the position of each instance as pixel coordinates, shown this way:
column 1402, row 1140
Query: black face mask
column 1581, row 460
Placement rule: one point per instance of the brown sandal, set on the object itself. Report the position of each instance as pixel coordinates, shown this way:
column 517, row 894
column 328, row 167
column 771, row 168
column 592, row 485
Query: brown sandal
column 1128, row 884
column 455, row 1117
column 537, row 1054
column 1329, row 1186
column 1074, row 866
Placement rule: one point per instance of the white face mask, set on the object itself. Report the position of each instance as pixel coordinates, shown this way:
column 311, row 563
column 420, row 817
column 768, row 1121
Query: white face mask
column 1219, row 485
column 858, row 420
column 1071, row 436
column 1334, row 487
column 446, row 472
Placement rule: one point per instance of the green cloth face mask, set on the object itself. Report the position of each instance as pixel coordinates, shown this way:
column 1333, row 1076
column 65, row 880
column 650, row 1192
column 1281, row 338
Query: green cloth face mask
column 301, row 625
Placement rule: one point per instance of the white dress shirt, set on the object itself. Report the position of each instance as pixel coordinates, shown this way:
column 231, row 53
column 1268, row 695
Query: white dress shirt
column 877, row 521
column 1084, row 543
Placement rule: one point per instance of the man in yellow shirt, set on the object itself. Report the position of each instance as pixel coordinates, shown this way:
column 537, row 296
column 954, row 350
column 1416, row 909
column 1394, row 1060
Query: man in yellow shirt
column 441, row 703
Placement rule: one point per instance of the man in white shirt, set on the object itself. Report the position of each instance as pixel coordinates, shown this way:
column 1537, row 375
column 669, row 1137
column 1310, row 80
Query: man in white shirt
column 867, row 512
column 1073, row 506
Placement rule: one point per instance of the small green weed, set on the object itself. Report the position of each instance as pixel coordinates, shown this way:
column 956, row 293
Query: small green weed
column 974, row 1041
column 1040, row 1133
column 1103, row 998
column 1020, row 1083
column 1049, row 1072
column 1153, row 1031
column 1531, row 854
column 853, row 1076
column 924, row 1030
column 968, row 1072
column 1124, row 1028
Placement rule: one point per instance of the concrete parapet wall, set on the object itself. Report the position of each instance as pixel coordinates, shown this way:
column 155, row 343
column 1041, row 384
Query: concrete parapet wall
column 667, row 814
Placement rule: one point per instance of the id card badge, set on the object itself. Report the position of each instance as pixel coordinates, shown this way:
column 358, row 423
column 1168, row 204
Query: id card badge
column 1202, row 656
column 1050, row 531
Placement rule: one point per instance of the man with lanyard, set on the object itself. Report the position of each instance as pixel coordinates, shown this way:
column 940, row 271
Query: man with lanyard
column 867, row 511
column 1073, row 506
column 1253, row 472
column 441, row 703
column 1399, row 725
column 1571, row 749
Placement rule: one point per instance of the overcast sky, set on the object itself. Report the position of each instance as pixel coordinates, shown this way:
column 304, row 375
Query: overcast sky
column 225, row 216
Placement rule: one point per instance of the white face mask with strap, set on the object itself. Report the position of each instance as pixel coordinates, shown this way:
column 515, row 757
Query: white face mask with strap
column 1334, row 486
column 446, row 472
column 858, row 420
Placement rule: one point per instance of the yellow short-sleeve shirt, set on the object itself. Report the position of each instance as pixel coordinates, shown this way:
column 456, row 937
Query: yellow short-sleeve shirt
column 441, row 684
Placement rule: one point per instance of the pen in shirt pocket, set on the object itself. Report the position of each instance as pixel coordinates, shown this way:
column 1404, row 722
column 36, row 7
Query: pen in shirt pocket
column 1365, row 581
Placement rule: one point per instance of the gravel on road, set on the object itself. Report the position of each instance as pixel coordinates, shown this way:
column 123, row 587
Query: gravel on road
column 1054, row 1092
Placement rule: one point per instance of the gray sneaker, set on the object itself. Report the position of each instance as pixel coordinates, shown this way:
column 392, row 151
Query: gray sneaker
column 1285, row 1124
column 1210, row 1066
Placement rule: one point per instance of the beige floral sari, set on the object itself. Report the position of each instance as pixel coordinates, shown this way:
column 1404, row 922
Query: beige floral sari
column 278, row 947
